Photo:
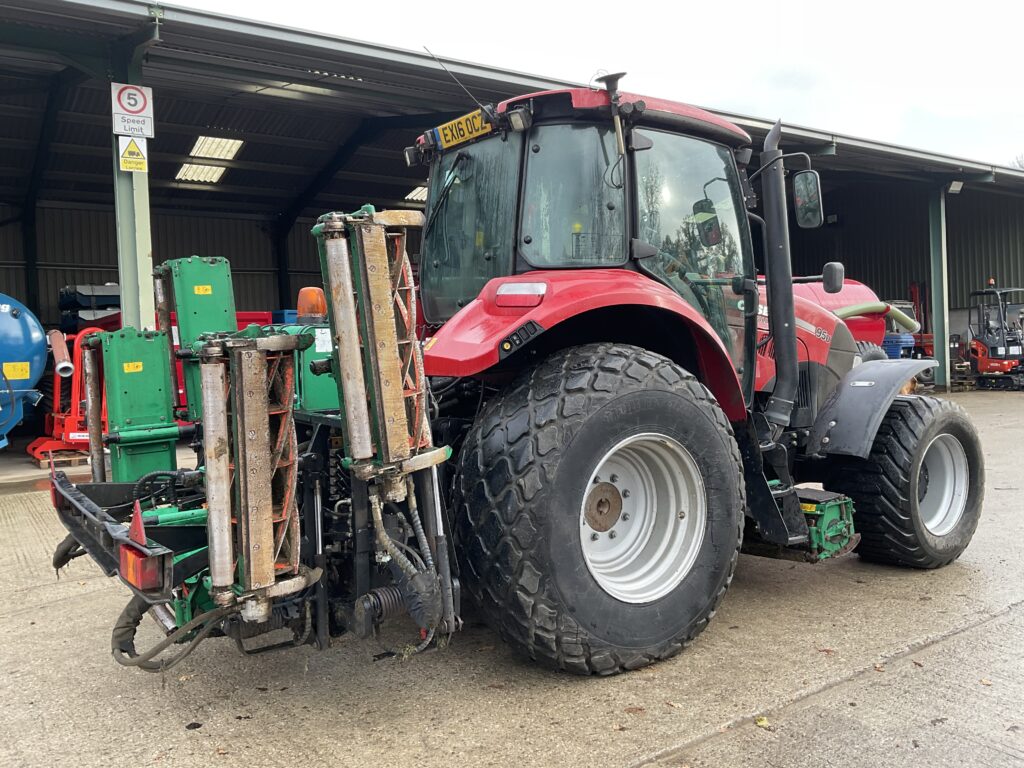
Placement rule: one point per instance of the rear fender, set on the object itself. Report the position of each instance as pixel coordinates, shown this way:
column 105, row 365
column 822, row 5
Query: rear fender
column 849, row 420
column 483, row 333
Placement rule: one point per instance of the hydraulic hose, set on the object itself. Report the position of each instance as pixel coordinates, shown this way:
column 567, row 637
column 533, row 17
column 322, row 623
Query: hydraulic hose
column 397, row 556
column 122, row 639
column 417, row 524
column 903, row 320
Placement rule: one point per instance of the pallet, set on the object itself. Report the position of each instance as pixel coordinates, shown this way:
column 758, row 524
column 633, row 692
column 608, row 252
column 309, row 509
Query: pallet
column 62, row 459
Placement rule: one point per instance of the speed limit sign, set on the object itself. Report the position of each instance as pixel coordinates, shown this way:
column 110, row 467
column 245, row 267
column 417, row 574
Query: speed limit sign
column 132, row 109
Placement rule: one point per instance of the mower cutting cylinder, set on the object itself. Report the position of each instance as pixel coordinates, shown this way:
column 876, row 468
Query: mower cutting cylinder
column 218, row 479
column 351, row 380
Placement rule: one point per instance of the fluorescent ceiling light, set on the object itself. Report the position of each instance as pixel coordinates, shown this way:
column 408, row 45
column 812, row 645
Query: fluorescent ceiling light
column 209, row 174
column 419, row 195
column 215, row 147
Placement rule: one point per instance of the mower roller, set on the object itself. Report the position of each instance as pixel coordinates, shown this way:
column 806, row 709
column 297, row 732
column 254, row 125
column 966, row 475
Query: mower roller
column 607, row 407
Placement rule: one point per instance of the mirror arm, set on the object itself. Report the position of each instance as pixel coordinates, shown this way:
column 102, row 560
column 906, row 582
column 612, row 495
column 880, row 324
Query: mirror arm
column 803, row 155
column 764, row 240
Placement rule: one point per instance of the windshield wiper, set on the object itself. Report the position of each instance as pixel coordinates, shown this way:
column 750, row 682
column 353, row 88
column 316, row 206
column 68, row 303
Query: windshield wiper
column 443, row 195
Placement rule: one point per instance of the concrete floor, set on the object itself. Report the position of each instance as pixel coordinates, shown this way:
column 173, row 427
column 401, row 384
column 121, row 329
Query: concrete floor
column 849, row 665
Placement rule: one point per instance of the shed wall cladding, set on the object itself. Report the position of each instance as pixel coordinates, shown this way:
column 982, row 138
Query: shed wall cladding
column 12, row 267
column 303, row 261
column 984, row 238
column 80, row 246
column 881, row 236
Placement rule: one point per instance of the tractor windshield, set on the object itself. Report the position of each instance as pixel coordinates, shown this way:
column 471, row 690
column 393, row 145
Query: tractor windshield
column 471, row 230
column 572, row 214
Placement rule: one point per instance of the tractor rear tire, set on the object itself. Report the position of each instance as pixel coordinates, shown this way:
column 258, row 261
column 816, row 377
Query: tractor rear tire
column 917, row 497
column 869, row 352
column 543, row 491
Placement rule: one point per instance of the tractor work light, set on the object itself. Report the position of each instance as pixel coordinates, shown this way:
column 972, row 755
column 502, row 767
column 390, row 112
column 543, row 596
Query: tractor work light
column 520, row 119
column 520, row 294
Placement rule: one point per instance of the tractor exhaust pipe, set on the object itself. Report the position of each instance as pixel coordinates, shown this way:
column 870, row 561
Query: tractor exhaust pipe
column 779, row 270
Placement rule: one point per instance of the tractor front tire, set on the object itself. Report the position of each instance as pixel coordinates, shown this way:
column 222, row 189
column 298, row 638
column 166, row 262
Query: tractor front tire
column 869, row 351
column 600, row 507
column 918, row 496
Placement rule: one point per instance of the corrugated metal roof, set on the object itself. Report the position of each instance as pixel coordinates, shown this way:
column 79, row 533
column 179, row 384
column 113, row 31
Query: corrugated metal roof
column 293, row 97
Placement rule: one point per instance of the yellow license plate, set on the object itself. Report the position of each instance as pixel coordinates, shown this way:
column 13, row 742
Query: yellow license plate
column 462, row 129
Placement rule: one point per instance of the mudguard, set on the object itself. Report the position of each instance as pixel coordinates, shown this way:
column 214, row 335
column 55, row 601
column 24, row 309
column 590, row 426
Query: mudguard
column 850, row 418
column 486, row 331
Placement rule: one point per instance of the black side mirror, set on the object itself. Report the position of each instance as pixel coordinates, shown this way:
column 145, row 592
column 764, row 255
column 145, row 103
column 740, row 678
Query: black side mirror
column 706, row 219
column 807, row 199
column 833, row 275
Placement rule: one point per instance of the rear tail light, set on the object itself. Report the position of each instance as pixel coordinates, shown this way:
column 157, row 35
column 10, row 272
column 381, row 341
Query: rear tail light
column 520, row 294
column 142, row 572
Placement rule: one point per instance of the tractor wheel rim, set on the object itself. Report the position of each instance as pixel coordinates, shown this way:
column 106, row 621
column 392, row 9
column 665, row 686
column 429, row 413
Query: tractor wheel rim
column 943, row 484
column 652, row 543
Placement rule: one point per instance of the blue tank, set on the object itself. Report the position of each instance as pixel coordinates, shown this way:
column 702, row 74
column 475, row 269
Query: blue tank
column 897, row 345
column 22, row 361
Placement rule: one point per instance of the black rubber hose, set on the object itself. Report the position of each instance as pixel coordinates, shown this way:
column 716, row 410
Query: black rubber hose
column 149, row 476
column 66, row 551
column 122, row 639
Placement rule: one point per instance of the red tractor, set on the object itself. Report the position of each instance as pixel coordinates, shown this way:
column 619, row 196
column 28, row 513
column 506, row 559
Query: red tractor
column 642, row 415
column 627, row 408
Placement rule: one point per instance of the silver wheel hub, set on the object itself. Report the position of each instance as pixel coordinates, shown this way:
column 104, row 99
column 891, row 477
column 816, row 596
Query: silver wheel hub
column 943, row 482
column 642, row 518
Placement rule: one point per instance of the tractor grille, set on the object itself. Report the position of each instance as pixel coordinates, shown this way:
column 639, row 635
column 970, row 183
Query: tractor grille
column 803, row 389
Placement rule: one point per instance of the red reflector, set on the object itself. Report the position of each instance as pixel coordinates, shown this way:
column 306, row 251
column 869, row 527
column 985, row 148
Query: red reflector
column 141, row 572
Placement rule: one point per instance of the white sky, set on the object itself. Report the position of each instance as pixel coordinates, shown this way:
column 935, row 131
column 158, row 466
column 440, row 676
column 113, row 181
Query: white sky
column 940, row 75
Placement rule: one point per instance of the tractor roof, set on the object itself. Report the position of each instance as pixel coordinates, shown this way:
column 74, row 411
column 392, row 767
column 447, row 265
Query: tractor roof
column 657, row 111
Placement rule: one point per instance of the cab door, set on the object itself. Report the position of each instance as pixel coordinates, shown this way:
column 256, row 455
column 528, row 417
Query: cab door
column 690, row 209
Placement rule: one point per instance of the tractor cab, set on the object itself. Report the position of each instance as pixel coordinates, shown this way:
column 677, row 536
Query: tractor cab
column 552, row 183
column 548, row 184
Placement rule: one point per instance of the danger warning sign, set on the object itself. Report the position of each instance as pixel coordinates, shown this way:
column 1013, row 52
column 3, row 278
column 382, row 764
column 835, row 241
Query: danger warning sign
column 131, row 153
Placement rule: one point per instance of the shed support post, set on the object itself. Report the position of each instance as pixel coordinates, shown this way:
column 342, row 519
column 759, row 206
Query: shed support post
column 939, row 283
column 279, row 243
column 131, row 201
